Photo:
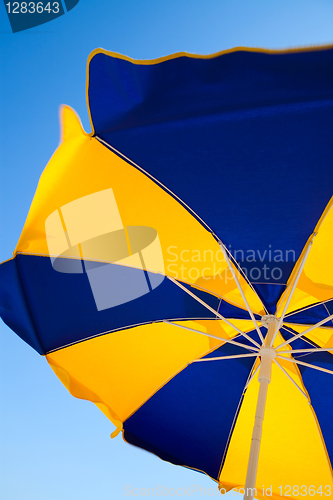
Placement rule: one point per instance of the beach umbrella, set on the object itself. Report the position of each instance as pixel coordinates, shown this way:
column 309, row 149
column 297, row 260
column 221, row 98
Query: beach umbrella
column 175, row 267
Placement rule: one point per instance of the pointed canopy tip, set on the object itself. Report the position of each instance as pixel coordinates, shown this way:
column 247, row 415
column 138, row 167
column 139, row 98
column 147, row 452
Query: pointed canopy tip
column 70, row 123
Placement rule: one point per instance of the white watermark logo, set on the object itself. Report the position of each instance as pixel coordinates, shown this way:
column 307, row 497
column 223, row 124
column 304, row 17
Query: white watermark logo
column 87, row 236
column 256, row 265
column 165, row 491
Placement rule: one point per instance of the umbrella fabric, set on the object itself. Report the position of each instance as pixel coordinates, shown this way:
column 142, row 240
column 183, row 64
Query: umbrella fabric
column 119, row 279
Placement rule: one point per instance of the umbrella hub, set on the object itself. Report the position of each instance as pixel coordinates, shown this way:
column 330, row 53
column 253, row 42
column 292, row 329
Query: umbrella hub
column 267, row 319
column 270, row 322
column 267, row 353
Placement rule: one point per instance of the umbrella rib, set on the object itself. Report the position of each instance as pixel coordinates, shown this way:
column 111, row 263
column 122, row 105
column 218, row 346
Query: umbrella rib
column 241, row 291
column 207, row 227
column 232, row 258
column 291, row 293
column 219, row 358
column 182, row 202
column 295, row 280
column 230, row 341
column 304, row 339
column 305, row 332
column 326, row 308
column 322, row 303
column 252, row 376
column 290, row 327
column 213, row 311
column 291, row 379
column 294, row 351
column 307, row 341
column 325, row 370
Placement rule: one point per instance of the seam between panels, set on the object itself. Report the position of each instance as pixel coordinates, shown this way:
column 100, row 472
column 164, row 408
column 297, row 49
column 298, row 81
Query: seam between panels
column 293, row 275
column 305, row 339
column 7, row 260
column 160, row 184
column 172, row 377
column 226, row 449
column 220, row 302
column 300, row 375
column 124, row 328
column 312, row 409
column 305, row 325
column 294, row 271
column 129, row 327
column 98, row 399
column 305, row 308
column 183, row 204
column 192, row 285
column 289, row 329
column 214, row 294
column 168, row 461
column 237, row 265
column 28, row 306
column 315, row 417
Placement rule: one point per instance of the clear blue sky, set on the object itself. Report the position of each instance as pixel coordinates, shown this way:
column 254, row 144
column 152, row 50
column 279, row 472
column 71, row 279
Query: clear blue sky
column 53, row 446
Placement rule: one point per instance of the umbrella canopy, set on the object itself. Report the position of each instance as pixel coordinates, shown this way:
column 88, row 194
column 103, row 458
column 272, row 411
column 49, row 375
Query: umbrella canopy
column 182, row 251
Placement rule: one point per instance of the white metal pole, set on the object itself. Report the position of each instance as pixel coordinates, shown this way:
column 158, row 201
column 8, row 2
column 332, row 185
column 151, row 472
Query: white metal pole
column 267, row 355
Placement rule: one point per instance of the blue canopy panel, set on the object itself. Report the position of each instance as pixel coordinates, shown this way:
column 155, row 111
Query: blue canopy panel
column 312, row 315
column 14, row 309
column 50, row 309
column 189, row 420
column 243, row 138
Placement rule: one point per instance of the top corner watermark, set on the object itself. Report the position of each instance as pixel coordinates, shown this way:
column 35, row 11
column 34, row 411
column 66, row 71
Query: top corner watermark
column 25, row 15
